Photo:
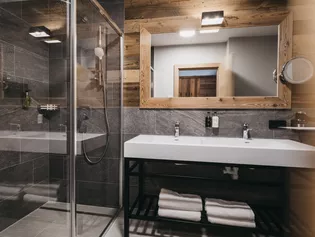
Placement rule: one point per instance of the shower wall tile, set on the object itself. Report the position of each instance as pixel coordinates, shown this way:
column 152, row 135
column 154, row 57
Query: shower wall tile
column 39, row 91
column 56, row 167
column 98, row 194
column 30, row 156
column 14, row 29
column 26, row 118
column 9, row 158
column 114, row 119
column 30, row 65
column 7, row 57
column 58, row 77
column 41, row 169
column 19, row 174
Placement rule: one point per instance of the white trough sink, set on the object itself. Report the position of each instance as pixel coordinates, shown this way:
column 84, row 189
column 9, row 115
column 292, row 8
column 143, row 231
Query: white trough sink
column 47, row 142
column 263, row 152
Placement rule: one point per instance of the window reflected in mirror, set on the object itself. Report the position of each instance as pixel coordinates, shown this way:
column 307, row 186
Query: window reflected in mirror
column 245, row 59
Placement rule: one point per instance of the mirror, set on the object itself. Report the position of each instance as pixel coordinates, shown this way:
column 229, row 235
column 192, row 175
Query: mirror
column 222, row 68
column 297, row 71
column 231, row 62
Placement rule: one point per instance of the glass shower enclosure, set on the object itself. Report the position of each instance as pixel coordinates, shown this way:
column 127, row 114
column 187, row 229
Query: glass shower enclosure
column 60, row 118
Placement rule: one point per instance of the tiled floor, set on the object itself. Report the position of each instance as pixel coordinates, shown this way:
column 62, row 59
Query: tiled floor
column 54, row 223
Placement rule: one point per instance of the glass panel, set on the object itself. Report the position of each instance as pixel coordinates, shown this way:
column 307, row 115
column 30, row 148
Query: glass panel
column 33, row 118
column 98, row 125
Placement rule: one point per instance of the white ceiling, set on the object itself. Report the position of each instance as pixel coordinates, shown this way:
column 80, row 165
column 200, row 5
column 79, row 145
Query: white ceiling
column 222, row 36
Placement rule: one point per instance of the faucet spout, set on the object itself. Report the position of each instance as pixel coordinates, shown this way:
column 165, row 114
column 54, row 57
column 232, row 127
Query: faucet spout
column 246, row 132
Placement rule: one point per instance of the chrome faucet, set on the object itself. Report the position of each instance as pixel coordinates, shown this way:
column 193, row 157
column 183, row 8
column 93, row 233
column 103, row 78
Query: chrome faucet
column 18, row 126
column 177, row 129
column 246, row 131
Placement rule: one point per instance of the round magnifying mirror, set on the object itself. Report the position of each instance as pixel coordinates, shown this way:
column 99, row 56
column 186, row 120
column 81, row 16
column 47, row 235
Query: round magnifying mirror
column 297, row 71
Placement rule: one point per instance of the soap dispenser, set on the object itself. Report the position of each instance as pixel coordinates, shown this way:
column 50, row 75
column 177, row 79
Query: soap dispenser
column 27, row 100
column 215, row 120
column 208, row 121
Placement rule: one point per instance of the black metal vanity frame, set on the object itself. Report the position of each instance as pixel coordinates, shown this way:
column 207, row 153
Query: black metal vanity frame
column 269, row 221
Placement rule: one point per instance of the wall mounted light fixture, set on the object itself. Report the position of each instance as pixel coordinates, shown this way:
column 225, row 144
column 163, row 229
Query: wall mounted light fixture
column 212, row 18
column 39, row 32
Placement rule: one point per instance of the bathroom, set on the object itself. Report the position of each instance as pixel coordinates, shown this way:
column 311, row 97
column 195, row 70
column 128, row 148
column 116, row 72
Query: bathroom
column 80, row 79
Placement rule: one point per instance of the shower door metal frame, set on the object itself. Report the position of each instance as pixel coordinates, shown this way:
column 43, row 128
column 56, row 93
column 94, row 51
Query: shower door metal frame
column 72, row 136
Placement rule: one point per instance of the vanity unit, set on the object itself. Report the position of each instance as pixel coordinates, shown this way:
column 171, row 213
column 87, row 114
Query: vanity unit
column 239, row 152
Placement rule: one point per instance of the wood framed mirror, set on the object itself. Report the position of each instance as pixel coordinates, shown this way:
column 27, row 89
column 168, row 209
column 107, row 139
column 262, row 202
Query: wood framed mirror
column 160, row 90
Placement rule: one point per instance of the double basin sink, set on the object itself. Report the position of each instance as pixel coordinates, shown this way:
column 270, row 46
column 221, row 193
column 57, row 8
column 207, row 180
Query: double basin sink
column 262, row 152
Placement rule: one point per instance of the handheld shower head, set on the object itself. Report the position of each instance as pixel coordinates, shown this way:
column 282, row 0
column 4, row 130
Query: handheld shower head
column 99, row 52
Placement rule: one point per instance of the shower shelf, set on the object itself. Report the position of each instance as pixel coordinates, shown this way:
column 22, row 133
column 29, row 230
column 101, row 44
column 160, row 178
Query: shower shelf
column 268, row 220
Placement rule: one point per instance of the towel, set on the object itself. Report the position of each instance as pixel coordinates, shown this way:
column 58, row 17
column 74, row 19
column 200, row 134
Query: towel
column 178, row 214
column 180, row 205
column 224, row 203
column 166, row 194
column 234, row 213
column 9, row 190
column 37, row 198
column 239, row 223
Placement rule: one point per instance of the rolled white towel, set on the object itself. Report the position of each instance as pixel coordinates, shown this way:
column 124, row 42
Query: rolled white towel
column 37, row 198
column 171, row 195
column 224, row 203
column 239, row 223
column 234, row 213
column 178, row 214
column 11, row 198
column 9, row 190
column 180, row 205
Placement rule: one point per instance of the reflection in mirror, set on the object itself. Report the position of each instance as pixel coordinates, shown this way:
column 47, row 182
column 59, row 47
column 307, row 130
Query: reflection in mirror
column 245, row 59
column 297, row 70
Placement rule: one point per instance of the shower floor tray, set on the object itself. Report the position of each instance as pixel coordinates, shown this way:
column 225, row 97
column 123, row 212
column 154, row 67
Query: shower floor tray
column 51, row 220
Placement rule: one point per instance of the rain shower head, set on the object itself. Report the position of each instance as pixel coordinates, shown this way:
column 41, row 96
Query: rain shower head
column 99, row 52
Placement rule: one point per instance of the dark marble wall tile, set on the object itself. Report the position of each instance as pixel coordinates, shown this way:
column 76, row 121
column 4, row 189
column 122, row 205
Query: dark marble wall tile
column 41, row 169
column 58, row 77
column 139, row 121
column 98, row 194
column 30, row 65
column 14, row 29
column 39, row 91
column 9, row 158
column 57, row 169
column 7, row 57
column 26, row 118
column 19, row 174
column 30, row 156
column 191, row 122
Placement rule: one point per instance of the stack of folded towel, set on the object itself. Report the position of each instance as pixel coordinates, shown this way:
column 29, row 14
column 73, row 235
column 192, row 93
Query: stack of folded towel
column 230, row 213
column 179, row 206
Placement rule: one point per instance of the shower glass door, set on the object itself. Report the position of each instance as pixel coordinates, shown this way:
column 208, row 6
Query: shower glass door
column 60, row 118
column 98, row 119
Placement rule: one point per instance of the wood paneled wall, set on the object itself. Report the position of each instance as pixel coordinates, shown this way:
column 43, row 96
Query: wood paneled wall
column 171, row 15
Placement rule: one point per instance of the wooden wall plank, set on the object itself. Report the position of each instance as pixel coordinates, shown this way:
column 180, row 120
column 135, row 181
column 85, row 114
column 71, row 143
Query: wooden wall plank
column 131, row 76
